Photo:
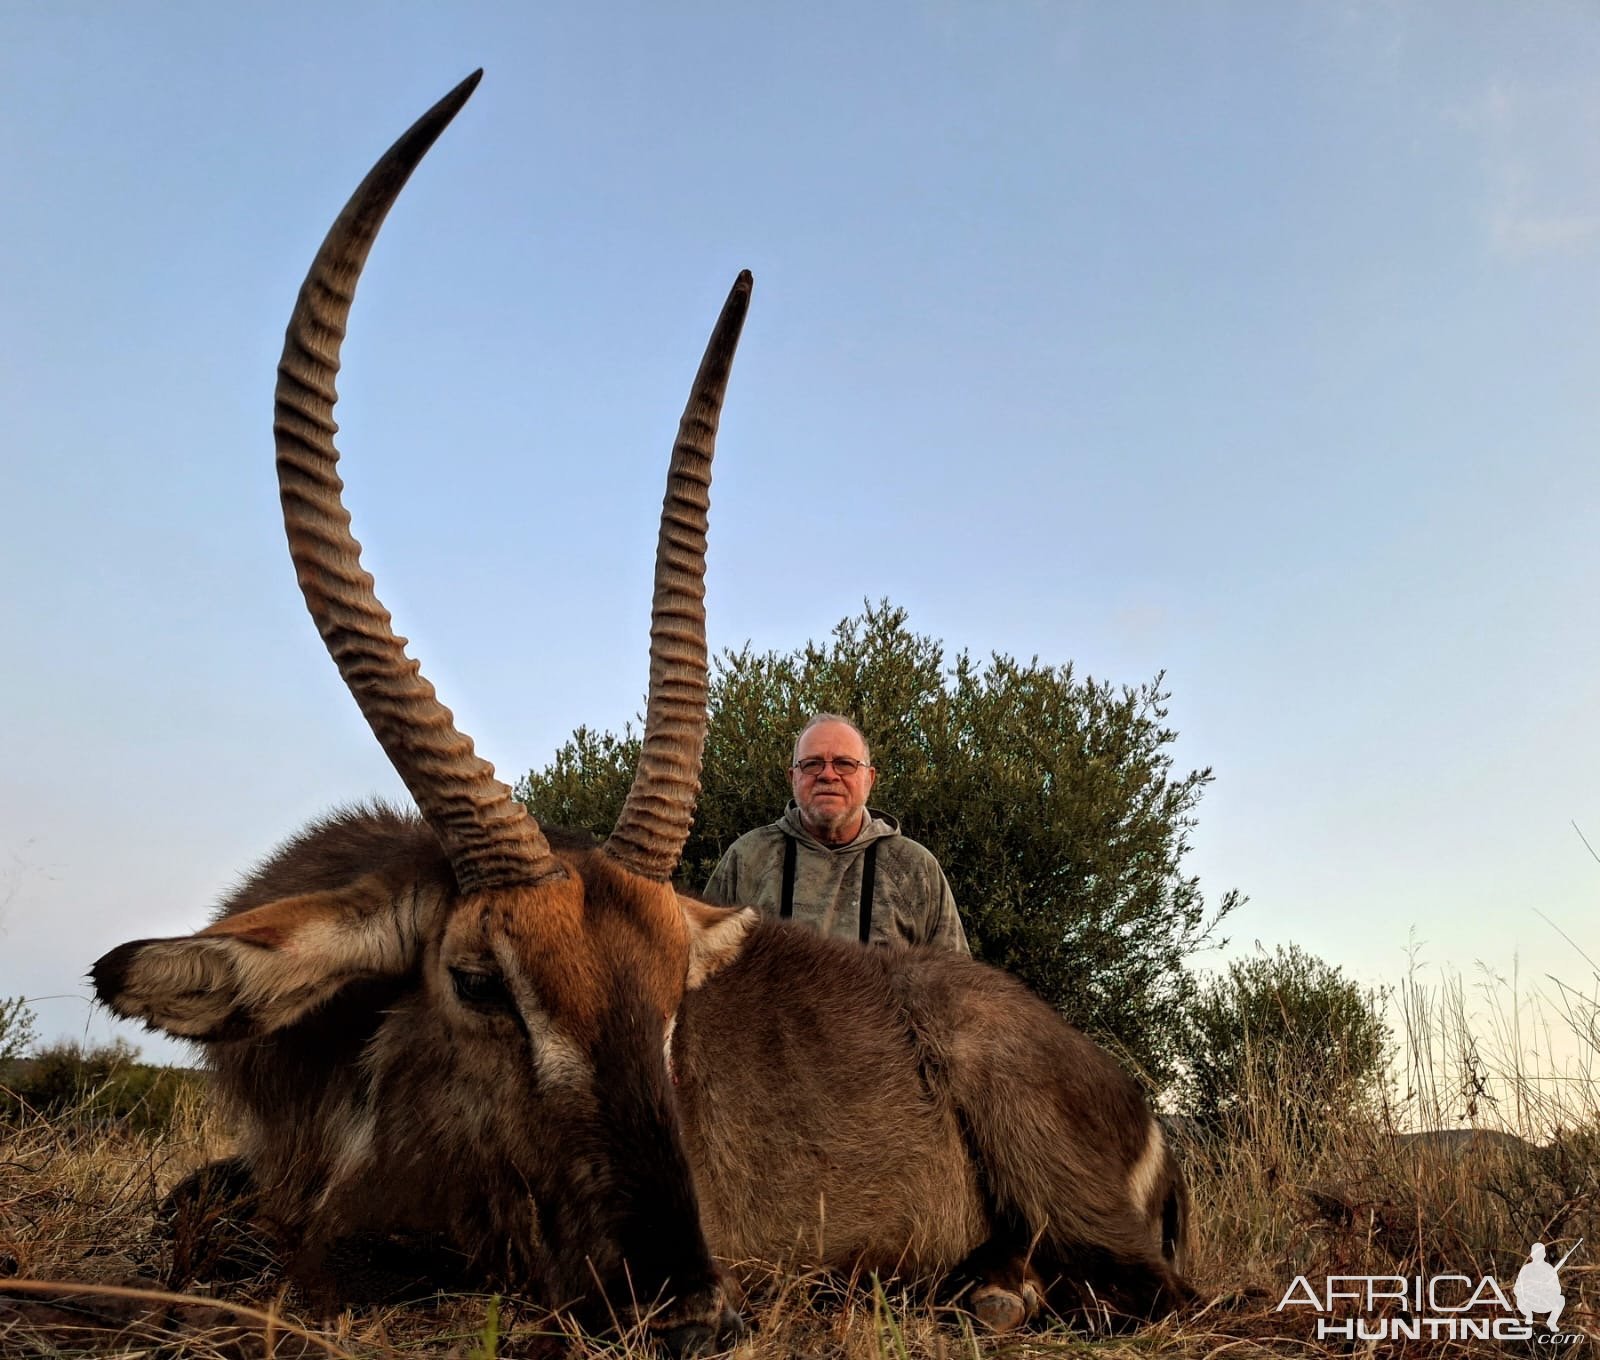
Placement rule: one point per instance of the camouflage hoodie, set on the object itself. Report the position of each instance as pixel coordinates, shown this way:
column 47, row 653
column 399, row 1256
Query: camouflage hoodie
column 911, row 900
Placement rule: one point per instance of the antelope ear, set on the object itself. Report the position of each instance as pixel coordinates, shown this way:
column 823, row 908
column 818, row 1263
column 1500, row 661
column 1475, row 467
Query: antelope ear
column 265, row 968
column 716, row 934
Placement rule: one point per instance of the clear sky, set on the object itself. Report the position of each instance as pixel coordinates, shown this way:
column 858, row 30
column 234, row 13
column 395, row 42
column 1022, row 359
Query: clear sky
column 1255, row 342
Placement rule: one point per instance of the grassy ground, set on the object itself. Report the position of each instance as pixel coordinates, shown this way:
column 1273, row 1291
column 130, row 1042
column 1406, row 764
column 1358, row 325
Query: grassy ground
column 78, row 1203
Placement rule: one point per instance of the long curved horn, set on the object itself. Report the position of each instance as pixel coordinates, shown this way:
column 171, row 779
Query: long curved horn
column 659, row 810
column 490, row 838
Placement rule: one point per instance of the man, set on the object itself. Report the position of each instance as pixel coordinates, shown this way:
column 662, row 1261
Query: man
column 834, row 863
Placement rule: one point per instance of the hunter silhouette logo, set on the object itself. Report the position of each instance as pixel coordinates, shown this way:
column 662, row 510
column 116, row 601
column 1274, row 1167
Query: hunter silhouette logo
column 1538, row 1286
column 1439, row 1307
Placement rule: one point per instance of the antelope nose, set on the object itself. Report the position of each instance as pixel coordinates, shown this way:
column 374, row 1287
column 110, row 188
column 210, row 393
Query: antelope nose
column 687, row 1339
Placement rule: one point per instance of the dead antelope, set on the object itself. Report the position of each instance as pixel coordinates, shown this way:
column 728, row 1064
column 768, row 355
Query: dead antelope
column 581, row 1082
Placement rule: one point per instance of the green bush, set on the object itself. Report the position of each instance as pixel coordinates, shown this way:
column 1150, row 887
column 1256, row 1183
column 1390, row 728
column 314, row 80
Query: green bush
column 1051, row 802
column 1283, row 1046
column 103, row 1084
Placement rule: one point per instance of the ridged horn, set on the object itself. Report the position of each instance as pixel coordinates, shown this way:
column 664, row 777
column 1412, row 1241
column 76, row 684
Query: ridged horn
column 490, row 838
column 655, row 819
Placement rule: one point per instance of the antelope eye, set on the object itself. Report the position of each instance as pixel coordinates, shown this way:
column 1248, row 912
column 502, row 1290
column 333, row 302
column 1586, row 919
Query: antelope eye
column 480, row 989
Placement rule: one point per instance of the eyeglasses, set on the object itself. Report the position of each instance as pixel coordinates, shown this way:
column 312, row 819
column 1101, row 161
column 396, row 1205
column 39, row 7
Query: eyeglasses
column 843, row 766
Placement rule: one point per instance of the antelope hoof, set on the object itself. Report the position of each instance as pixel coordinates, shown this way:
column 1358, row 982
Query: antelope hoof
column 1001, row 1309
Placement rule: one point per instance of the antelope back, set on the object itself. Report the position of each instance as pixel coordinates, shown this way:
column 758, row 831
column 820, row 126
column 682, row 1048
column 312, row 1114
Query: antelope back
column 913, row 1111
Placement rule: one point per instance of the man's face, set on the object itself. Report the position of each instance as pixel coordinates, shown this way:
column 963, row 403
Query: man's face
column 832, row 805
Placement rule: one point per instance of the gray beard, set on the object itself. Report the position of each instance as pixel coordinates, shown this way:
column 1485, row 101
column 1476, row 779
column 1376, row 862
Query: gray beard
column 827, row 826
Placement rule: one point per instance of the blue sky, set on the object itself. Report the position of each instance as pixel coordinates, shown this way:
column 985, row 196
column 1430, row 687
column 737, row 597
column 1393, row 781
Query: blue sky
column 1255, row 342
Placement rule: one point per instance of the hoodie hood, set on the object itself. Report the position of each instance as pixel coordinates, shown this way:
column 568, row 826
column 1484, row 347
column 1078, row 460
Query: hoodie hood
column 879, row 826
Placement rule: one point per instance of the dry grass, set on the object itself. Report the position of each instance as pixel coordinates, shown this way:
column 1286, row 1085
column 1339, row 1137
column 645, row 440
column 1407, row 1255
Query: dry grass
column 79, row 1204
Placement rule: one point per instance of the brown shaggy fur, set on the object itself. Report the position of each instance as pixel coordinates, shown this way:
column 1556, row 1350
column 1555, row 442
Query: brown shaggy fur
column 894, row 1110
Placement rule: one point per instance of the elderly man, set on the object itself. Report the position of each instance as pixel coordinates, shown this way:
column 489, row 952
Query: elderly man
column 835, row 864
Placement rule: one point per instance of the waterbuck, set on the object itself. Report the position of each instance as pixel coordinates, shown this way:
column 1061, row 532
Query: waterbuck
column 585, row 1084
